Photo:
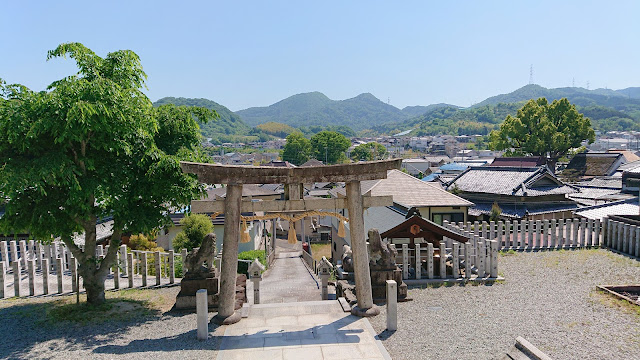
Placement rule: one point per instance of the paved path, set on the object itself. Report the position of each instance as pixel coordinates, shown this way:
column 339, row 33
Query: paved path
column 288, row 280
column 305, row 330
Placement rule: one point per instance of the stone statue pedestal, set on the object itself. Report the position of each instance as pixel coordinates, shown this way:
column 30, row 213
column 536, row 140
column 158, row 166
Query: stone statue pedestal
column 186, row 299
column 379, row 288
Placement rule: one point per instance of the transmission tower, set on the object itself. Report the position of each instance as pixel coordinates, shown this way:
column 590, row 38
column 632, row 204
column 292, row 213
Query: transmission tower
column 573, row 82
column 587, row 85
column 531, row 74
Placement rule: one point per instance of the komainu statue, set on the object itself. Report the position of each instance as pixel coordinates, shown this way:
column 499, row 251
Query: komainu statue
column 347, row 258
column 381, row 255
column 195, row 260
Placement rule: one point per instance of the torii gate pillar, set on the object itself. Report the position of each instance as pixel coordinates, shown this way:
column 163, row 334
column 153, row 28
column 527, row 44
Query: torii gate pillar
column 355, row 206
column 229, row 265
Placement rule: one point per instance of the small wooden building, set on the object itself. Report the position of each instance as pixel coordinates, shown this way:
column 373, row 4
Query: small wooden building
column 418, row 230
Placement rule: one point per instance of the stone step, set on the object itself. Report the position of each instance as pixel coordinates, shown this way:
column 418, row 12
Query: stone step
column 294, row 309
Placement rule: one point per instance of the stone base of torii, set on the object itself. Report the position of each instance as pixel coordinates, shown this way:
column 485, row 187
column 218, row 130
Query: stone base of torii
column 293, row 178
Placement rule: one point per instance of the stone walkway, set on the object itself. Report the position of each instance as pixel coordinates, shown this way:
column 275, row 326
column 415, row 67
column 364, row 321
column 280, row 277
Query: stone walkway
column 288, row 280
column 304, row 330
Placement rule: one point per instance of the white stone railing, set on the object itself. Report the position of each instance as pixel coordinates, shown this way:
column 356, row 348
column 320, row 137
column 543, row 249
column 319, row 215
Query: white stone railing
column 308, row 259
column 622, row 237
column 39, row 261
column 475, row 259
column 536, row 234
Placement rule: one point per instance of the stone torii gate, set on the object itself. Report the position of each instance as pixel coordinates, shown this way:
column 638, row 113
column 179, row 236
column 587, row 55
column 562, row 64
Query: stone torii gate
column 293, row 178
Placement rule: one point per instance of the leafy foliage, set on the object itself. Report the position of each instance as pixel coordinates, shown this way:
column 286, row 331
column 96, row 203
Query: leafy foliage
column 142, row 242
column 543, row 129
column 329, row 146
column 297, row 150
column 194, row 228
column 227, row 124
column 243, row 267
column 368, row 152
column 276, row 129
column 90, row 147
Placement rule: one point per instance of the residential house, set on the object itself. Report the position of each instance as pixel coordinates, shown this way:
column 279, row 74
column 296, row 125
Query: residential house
column 433, row 202
column 584, row 166
column 521, row 193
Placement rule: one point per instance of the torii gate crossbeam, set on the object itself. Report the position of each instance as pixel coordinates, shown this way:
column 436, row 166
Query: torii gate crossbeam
column 235, row 176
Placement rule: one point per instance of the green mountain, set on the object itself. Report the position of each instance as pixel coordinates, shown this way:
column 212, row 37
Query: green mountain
column 227, row 124
column 617, row 100
column 309, row 109
column 413, row 111
column 607, row 109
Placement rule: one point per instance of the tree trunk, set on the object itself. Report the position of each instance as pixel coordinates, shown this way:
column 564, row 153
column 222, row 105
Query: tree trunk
column 94, row 284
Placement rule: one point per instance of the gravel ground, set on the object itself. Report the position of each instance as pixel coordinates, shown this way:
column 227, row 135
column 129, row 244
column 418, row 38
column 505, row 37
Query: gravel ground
column 160, row 335
column 548, row 298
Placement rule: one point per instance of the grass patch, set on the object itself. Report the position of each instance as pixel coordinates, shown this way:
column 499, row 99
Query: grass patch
column 611, row 301
column 507, row 253
column 113, row 310
column 320, row 250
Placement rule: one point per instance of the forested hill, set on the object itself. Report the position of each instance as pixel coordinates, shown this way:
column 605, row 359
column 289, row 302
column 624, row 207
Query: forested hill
column 624, row 100
column 607, row 109
column 309, row 109
column 229, row 123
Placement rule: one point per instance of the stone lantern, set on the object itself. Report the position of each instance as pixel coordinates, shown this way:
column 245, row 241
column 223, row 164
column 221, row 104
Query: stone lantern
column 324, row 269
column 255, row 273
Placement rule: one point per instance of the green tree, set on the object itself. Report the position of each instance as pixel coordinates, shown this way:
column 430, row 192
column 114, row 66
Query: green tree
column 496, row 211
column 368, row 152
column 329, row 146
column 91, row 147
column 543, row 129
column 297, row 149
column 194, row 229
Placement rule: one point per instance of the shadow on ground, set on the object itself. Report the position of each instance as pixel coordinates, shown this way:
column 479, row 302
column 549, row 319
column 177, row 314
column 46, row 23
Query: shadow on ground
column 26, row 325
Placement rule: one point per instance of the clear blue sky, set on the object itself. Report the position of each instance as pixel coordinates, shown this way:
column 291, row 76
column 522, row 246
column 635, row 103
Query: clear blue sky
column 255, row 53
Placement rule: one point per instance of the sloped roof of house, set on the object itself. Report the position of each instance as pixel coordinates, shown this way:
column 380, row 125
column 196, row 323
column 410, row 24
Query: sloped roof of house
column 409, row 191
column 591, row 164
column 629, row 156
column 312, row 162
column 527, row 161
column 247, row 190
column 521, row 210
column 514, row 181
column 607, row 182
column 624, row 207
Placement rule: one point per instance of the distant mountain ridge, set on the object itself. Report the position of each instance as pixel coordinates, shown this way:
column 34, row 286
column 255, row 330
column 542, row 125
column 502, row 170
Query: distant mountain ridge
column 314, row 108
column 616, row 99
column 608, row 110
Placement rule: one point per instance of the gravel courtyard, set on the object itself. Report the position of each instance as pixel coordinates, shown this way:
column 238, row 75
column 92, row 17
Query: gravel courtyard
column 155, row 334
column 547, row 298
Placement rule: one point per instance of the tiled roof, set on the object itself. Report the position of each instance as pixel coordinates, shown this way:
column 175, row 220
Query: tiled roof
column 409, row 191
column 247, row 190
column 591, row 164
column 103, row 231
column 510, row 181
column 629, row 166
column 382, row 218
column 529, row 161
column 629, row 156
column 625, row 207
column 312, row 162
column 520, row 210
column 602, row 182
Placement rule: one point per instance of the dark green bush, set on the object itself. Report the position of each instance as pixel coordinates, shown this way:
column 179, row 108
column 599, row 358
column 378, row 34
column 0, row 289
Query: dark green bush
column 243, row 268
